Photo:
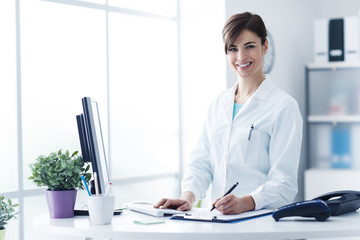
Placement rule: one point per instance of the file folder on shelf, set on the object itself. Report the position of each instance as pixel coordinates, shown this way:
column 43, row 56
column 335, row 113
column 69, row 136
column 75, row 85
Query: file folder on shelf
column 336, row 40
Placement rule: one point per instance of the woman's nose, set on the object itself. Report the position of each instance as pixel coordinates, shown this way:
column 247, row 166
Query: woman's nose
column 241, row 55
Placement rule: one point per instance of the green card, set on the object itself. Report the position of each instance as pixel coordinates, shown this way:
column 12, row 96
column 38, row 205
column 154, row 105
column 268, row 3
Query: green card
column 149, row 221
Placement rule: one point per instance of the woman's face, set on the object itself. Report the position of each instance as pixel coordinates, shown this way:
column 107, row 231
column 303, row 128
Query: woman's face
column 246, row 55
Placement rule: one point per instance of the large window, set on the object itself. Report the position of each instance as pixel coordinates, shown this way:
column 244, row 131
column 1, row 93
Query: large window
column 8, row 98
column 143, row 96
column 144, row 65
column 63, row 59
column 9, row 165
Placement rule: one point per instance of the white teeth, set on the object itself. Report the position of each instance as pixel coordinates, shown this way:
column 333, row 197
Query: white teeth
column 244, row 65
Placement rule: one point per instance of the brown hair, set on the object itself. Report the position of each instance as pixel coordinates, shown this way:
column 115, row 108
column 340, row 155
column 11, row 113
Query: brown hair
column 238, row 22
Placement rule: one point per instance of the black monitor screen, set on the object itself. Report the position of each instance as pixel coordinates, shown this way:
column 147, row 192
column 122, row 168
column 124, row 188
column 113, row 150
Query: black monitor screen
column 96, row 142
column 84, row 143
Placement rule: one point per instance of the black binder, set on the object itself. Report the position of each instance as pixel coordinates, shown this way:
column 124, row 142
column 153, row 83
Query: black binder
column 336, row 40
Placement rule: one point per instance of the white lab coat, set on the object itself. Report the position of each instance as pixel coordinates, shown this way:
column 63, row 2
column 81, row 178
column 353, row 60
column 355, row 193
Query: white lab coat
column 266, row 166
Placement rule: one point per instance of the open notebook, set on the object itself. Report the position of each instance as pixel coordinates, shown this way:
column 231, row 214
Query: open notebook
column 147, row 208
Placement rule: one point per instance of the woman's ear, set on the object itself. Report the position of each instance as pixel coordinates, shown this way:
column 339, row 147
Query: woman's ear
column 266, row 46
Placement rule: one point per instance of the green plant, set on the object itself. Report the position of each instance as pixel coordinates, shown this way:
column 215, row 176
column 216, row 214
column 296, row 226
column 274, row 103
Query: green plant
column 60, row 171
column 7, row 211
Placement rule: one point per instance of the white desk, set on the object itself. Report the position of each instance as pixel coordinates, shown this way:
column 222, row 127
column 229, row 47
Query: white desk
column 122, row 227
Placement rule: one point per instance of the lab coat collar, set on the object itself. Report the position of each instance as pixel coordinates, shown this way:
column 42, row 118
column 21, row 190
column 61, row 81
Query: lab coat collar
column 264, row 89
column 262, row 93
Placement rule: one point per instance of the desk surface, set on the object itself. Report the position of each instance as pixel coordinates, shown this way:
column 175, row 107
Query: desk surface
column 123, row 227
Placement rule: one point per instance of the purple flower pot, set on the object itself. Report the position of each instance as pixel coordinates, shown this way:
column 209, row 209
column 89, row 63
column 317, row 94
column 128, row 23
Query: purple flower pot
column 61, row 203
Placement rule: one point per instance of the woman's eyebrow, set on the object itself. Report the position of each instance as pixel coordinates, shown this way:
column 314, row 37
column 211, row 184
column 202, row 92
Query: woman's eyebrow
column 249, row 43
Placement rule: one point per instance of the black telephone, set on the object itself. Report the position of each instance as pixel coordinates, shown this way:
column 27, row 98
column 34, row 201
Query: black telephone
column 310, row 208
column 341, row 202
column 322, row 207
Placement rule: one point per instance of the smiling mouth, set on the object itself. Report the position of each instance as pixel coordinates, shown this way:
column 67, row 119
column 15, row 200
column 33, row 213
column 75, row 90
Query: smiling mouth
column 244, row 66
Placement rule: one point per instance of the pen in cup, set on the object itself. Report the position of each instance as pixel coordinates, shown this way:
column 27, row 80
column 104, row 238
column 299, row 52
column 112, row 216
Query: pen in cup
column 85, row 184
column 96, row 184
column 228, row 192
column 108, row 189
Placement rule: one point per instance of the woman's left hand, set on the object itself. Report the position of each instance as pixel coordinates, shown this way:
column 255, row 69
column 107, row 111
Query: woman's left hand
column 233, row 205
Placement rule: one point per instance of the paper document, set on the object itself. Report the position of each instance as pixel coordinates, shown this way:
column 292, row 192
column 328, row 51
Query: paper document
column 203, row 214
column 147, row 208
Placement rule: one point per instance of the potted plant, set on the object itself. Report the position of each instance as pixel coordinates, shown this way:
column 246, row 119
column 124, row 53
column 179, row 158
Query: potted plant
column 61, row 174
column 7, row 212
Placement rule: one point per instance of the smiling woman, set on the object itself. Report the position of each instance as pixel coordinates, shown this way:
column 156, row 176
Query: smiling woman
column 258, row 145
column 245, row 46
column 245, row 56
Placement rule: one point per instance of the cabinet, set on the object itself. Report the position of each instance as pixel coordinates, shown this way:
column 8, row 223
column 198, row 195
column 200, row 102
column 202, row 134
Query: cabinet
column 333, row 125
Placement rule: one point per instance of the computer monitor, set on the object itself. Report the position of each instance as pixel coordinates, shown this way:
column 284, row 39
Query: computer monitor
column 91, row 141
column 83, row 138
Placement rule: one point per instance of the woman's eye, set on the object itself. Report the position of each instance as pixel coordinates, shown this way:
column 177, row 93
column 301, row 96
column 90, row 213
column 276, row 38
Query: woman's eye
column 232, row 49
column 250, row 46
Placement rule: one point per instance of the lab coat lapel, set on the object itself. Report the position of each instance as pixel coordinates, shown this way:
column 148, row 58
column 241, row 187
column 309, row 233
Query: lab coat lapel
column 261, row 93
column 264, row 89
column 228, row 102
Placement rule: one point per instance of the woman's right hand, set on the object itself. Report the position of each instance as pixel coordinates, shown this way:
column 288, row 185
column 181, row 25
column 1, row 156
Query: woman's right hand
column 184, row 203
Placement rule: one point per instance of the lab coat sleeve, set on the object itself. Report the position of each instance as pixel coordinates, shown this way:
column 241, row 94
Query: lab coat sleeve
column 198, row 175
column 284, row 156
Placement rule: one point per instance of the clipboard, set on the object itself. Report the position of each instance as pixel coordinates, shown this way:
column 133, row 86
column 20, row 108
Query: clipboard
column 220, row 218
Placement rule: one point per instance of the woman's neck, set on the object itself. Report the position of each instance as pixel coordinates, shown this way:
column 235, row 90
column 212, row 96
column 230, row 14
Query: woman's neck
column 246, row 88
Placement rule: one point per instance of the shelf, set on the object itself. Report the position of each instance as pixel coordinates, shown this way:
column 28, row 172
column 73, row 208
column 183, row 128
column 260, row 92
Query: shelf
column 333, row 65
column 334, row 119
column 319, row 181
column 332, row 139
column 316, row 171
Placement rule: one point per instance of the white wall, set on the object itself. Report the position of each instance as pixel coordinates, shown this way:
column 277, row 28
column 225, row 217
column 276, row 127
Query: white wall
column 203, row 66
column 334, row 8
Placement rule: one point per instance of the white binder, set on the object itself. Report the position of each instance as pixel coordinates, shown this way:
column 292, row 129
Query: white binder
column 321, row 41
column 352, row 44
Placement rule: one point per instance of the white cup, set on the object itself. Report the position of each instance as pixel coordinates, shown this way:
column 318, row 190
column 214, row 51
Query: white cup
column 101, row 209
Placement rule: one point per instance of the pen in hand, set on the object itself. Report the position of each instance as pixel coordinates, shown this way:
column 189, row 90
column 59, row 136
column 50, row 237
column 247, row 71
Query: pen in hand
column 228, row 192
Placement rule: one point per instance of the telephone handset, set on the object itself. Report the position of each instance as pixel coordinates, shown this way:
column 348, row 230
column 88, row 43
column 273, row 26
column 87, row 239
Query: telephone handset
column 310, row 208
column 322, row 207
column 341, row 202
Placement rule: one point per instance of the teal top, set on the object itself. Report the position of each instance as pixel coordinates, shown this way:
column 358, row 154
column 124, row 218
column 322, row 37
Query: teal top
column 237, row 108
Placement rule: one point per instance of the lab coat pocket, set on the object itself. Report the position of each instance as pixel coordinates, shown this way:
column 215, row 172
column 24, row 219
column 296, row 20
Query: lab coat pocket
column 245, row 146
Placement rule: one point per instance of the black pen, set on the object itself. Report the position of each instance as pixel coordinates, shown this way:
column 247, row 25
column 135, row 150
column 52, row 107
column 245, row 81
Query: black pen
column 251, row 129
column 228, row 192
